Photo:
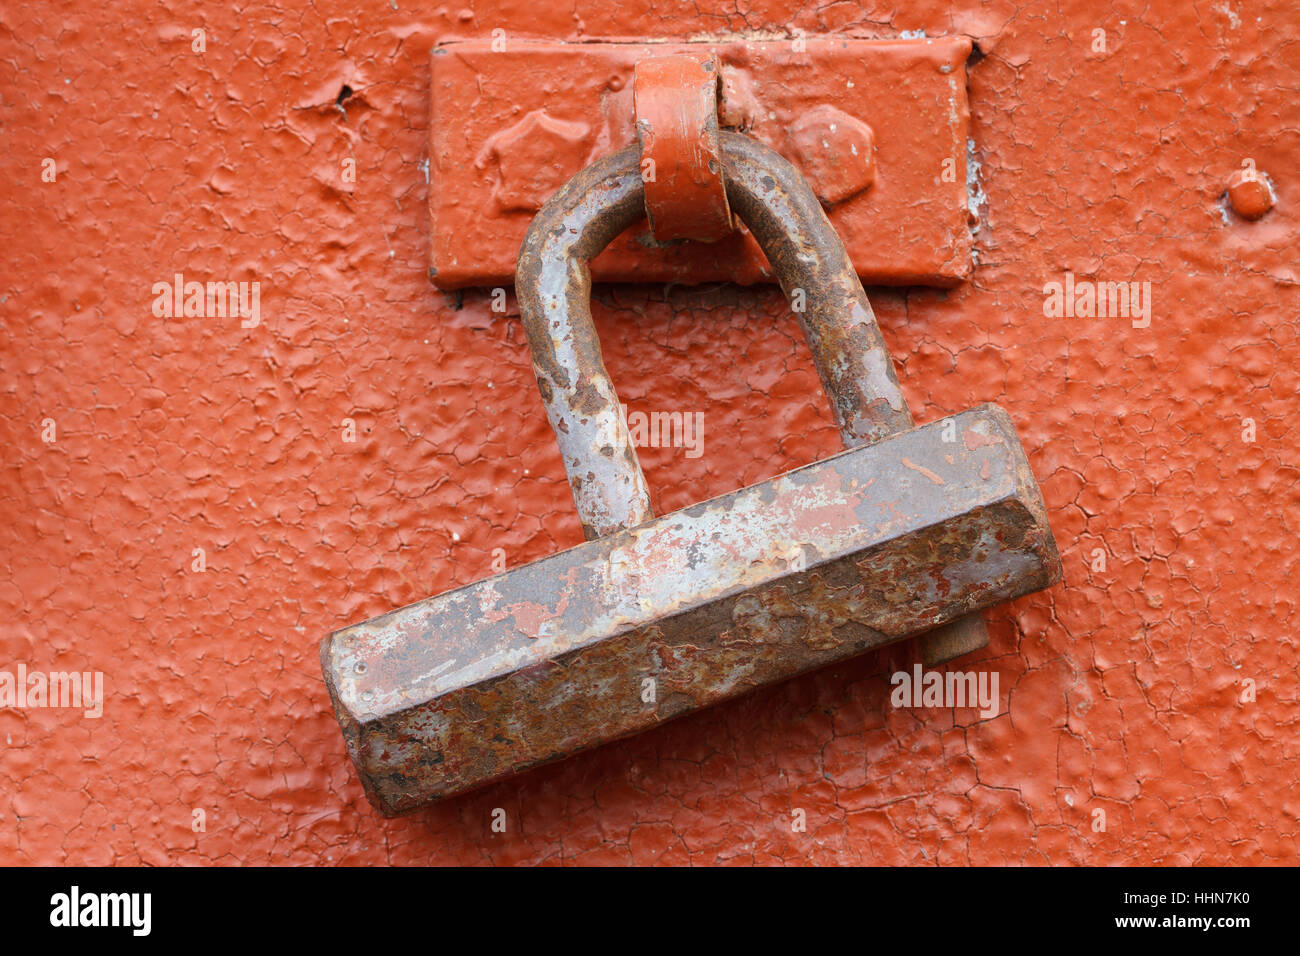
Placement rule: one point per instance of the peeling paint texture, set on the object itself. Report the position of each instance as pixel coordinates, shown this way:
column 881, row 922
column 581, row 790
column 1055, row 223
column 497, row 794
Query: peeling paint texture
column 1156, row 683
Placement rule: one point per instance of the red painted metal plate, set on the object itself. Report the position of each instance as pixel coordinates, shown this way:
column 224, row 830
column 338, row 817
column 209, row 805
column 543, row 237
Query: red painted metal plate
column 509, row 125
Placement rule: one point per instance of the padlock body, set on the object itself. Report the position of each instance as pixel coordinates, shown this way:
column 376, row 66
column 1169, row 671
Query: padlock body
column 625, row 632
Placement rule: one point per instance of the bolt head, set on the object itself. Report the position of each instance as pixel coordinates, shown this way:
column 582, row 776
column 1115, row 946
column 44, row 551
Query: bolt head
column 835, row 151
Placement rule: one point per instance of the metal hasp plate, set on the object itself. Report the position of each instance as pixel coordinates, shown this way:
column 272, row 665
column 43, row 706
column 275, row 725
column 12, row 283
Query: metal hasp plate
column 510, row 126
column 753, row 587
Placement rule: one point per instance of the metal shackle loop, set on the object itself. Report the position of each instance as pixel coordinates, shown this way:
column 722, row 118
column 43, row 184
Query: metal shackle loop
column 553, row 284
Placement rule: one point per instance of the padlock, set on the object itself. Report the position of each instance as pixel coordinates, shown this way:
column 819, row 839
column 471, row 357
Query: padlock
column 655, row 617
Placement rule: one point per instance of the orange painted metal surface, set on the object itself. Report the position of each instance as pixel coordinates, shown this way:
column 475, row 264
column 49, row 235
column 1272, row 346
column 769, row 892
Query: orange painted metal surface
column 1156, row 684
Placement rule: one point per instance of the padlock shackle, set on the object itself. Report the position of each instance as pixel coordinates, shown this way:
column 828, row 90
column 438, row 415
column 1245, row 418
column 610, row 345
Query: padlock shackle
column 553, row 285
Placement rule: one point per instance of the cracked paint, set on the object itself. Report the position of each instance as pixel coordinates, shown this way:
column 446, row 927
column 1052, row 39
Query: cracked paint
column 1122, row 688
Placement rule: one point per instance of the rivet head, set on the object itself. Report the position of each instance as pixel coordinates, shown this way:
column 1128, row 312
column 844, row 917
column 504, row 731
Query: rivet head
column 1249, row 194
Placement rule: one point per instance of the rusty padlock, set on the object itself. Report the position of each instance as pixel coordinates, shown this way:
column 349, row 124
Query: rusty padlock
column 654, row 617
